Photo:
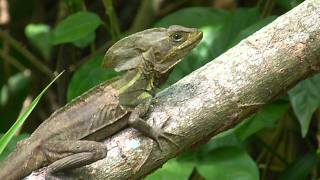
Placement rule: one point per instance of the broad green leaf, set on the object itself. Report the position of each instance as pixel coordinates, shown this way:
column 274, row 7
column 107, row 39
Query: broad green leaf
column 12, row 95
column 173, row 170
column 88, row 76
column 85, row 41
column 39, row 36
column 223, row 139
column 266, row 118
column 300, row 168
column 305, row 99
column 194, row 17
column 234, row 24
column 5, row 139
column 75, row 27
column 228, row 163
column 189, row 156
column 251, row 29
column 220, row 28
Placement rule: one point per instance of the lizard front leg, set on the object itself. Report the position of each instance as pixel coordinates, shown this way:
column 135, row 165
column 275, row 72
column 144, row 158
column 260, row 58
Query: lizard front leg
column 71, row 154
column 142, row 126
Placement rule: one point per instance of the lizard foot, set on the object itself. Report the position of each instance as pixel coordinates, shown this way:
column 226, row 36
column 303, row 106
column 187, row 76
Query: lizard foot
column 162, row 134
column 165, row 135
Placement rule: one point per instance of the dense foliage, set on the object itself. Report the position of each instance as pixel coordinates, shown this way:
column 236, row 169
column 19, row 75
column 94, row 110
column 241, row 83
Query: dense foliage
column 42, row 38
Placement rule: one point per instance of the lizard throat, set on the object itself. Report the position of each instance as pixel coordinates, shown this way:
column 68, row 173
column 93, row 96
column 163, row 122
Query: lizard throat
column 134, row 87
column 130, row 83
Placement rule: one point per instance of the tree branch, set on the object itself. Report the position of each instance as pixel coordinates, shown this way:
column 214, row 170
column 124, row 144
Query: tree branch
column 218, row 95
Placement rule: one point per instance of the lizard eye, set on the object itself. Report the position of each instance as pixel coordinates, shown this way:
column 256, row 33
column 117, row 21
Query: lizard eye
column 177, row 37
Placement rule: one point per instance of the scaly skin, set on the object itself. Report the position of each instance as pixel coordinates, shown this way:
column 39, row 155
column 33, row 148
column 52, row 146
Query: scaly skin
column 69, row 137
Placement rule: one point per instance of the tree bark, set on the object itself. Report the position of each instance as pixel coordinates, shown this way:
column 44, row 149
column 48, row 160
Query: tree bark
column 219, row 95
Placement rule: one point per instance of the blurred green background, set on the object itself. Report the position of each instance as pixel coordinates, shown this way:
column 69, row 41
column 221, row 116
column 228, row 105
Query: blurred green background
column 40, row 38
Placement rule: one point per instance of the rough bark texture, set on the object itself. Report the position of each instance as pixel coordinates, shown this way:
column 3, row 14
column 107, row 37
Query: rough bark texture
column 218, row 95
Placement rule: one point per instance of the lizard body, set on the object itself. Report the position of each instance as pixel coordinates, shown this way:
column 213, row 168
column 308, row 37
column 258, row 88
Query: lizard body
column 69, row 137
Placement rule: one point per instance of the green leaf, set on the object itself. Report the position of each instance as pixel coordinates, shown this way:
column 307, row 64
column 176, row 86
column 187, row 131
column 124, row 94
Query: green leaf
column 85, row 41
column 39, row 36
column 220, row 29
column 305, row 99
column 194, row 17
column 5, row 139
column 12, row 145
column 251, row 29
column 88, row 76
column 75, row 27
column 223, row 139
column 228, row 163
column 173, row 169
column 234, row 24
column 266, row 118
column 300, row 168
column 12, row 95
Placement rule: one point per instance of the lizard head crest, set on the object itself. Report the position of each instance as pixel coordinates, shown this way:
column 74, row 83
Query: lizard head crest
column 165, row 48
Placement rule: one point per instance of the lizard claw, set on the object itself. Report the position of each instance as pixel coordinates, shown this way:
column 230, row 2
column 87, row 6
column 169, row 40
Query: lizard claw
column 173, row 134
column 169, row 139
column 164, row 135
column 159, row 144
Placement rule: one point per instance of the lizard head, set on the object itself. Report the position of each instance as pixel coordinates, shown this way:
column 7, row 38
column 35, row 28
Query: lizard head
column 179, row 41
column 161, row 47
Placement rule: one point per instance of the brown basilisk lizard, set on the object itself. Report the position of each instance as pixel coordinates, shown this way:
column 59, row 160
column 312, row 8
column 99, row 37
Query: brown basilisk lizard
column 69, row 137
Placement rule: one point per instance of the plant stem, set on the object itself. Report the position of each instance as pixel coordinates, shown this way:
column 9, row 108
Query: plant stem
column 266, row 8
column 34, row 60
column 13, row 61
column 114, row 25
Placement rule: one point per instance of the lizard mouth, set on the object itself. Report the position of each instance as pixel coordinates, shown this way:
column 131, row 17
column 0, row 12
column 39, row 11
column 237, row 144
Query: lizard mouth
column 195, row 38
column 198, row 36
